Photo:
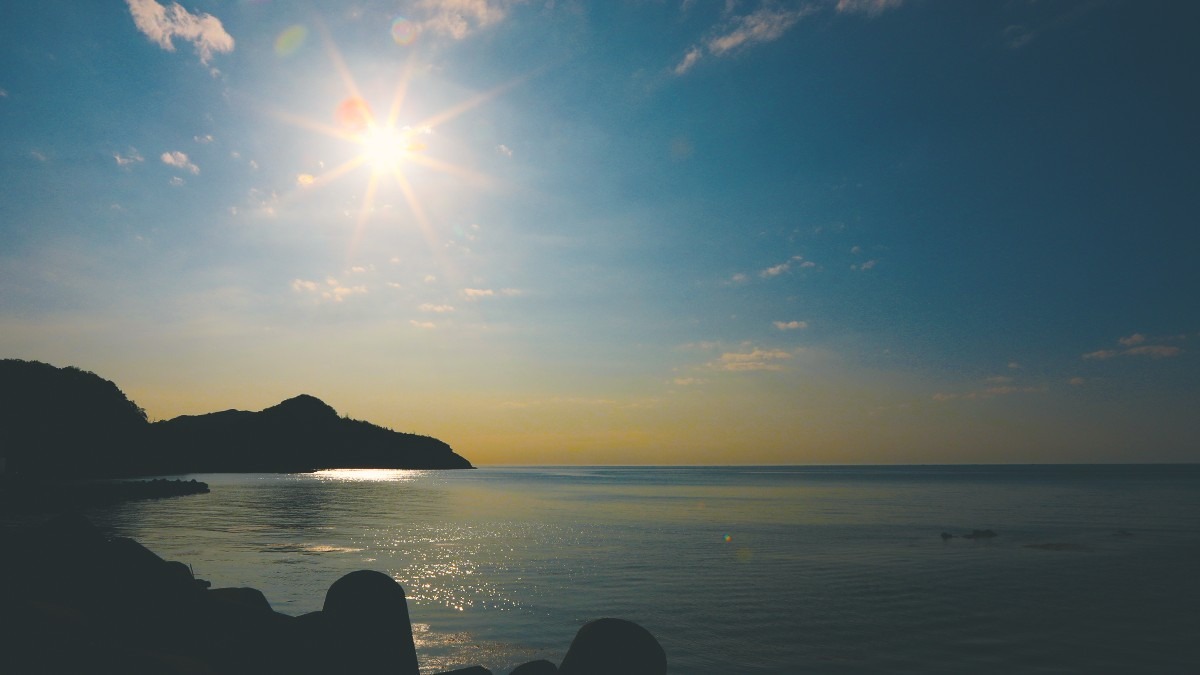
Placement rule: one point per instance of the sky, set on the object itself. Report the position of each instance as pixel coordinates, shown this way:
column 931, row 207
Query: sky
column 621, row 232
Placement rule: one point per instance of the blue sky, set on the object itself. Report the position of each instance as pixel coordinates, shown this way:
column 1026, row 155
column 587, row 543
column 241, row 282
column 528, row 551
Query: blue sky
column 621, row 232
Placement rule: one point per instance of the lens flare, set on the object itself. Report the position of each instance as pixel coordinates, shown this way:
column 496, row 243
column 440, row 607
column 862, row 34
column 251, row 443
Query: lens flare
column 404, row 32
column 290, row 40
column 354, row 114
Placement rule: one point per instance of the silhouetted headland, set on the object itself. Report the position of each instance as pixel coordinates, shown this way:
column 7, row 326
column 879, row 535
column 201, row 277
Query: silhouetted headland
column 69, row 423
column 76, row 601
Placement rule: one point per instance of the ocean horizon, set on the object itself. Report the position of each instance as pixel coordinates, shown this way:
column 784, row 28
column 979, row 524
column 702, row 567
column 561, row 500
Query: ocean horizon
column 735, row 568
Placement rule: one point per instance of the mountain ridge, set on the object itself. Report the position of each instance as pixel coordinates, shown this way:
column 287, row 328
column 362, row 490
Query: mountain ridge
column 73, row 423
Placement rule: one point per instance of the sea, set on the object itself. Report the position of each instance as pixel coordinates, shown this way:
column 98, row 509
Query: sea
column 735, row 569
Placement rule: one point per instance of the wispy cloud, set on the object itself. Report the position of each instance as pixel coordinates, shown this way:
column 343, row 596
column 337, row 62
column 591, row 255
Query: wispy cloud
column 1135, row 339
column 204, row 140
column 1134, row 345
column 332, row 290
column 437, row 309
column 791, row 325
column 689, row 59
column 776, row 270
column 163, row 24
column 766, row 24
column 131, row 157
column 180, row 160
column 423, row 325
column 986, row 393
column 504, row 150
column 868, row 7
column 755, row 359
column 460, row 18
column 863, row 267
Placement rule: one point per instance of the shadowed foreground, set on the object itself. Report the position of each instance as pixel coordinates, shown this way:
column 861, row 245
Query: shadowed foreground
column 73, row 600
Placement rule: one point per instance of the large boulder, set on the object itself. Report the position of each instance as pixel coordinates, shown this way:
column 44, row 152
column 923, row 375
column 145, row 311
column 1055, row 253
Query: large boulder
column 607, row 646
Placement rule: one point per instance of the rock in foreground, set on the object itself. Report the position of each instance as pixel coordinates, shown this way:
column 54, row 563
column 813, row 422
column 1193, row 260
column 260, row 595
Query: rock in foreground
column 77, row 601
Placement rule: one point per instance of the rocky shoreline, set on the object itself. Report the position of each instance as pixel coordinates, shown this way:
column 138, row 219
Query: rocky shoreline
column 74, row 600
column 32, row 496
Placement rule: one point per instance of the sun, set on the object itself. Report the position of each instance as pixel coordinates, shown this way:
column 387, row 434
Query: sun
column 386, row 148
column 390, row 151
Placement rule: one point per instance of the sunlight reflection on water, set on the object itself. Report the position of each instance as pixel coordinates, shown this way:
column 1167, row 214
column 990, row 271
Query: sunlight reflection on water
column 369, row 475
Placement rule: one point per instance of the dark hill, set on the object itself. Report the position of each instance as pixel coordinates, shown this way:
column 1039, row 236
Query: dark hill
column 299, row 434
column 63, row 421
column 67, row 422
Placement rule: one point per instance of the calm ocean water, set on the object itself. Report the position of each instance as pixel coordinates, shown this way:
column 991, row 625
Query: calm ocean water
column 734, row 569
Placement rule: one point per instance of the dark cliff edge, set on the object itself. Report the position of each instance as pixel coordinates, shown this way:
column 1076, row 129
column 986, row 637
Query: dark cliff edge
column 63, row 423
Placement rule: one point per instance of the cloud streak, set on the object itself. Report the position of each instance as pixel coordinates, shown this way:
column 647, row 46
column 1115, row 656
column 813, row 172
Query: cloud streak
column 1134, row 345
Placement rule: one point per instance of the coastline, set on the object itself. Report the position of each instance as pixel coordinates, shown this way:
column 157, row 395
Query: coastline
column 79, row 601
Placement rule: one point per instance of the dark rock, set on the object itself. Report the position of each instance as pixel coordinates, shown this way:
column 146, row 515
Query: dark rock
column 367, row 615
column 607, row 646
column 248, row 598
column 473, row 670
column 539, row 667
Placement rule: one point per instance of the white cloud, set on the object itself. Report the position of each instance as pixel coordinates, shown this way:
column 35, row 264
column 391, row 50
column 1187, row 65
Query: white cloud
column 438, row 309
column 765, row 25
column 808, row 263
column 791, row 325
column 856, row 250
column 504, row 150
column 176, row 181
column 302, row 285
column 162, row 24
column 39, row 156
column 687, row 381
column 3, row 93
column 775, row 271
column 179, row 160
column 205, row 139
column 132, row 157
column 868, row 7
column 476, row 293
column 459, row 18
column 756, row 359
column 424, row 325
column 868, row 265
column 1101, row 355
column 738, row 278
column 693, row 55
column 1013, row 365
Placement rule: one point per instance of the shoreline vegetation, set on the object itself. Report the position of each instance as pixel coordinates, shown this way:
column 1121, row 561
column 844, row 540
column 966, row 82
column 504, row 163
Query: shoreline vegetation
column 78, row 601
column 68, row 424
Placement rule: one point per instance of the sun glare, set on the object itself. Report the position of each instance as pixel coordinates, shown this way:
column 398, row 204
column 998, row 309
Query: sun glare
column 385, row 148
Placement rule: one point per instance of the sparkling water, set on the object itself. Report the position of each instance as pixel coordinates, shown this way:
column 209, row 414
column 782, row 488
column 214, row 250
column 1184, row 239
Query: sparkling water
column 734, row 569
